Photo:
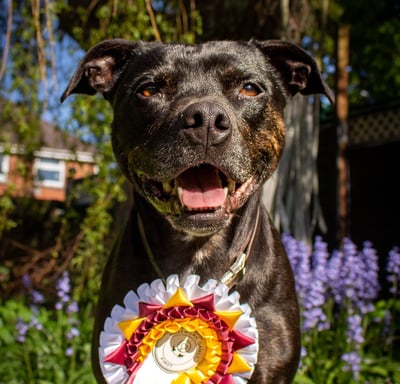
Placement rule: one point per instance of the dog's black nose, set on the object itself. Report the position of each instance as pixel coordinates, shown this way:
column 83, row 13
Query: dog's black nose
column 206, row 123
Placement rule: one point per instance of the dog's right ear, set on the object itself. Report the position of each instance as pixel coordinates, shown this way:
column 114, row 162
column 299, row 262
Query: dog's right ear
column 100, row 68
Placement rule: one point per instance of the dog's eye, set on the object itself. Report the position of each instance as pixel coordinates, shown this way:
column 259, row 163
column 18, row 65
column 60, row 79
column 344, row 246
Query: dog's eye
column 148, row 90
column 250, row 90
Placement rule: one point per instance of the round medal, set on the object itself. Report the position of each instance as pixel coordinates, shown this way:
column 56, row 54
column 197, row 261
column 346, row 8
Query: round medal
column 179, row 334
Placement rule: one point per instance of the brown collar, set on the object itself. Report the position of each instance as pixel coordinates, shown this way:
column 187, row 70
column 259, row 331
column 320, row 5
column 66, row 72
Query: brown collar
column 238, row 268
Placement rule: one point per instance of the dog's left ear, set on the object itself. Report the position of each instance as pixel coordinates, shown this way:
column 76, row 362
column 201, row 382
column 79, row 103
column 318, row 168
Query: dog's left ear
column 298, row 69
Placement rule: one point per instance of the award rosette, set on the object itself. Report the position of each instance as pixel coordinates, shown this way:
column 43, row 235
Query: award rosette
column 179, row 334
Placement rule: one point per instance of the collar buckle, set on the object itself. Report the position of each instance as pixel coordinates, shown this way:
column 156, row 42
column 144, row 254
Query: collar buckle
column 234, row 270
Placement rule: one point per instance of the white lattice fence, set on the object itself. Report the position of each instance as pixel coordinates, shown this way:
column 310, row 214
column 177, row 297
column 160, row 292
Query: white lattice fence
column 375, row 127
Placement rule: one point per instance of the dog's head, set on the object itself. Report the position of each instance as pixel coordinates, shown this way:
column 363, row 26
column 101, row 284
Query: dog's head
column 197, row 129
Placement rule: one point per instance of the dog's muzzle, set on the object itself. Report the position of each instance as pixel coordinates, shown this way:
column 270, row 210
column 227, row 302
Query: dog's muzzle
column 200, row 198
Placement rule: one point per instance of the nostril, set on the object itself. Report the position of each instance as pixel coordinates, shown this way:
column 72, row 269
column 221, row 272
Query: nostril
column 197, row 120
column 192, row 119
column 222, row 121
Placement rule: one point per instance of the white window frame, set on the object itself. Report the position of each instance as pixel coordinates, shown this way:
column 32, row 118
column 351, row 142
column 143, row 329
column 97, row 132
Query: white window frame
column 56, row 165
column 4, row 167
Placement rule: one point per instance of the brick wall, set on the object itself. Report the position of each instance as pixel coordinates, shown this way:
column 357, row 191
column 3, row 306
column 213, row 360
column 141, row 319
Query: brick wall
column 25, row 186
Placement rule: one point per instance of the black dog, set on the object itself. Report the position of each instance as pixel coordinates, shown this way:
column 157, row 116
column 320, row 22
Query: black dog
column 197, row 130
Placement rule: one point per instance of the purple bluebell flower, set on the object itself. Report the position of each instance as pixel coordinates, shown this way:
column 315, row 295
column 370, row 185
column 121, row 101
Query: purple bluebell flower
column 387, row 327
column 69, row 352
column 35, row 323
column 320, row 258
column 72, row 307
column 357, row 282
column 299, row 257
column 313, row 307
column 354, row 330
column 314, row 317
column 63, row 287
column 73, row 332
column 334, row 274
column 303, row 270
column 315, row 297
column 311, row 280
column 371, row 275
column 351, row 272
column 22, row 328
column 63, row 284
column 26, row 281
column 290, row 245
column 352, row 363
column 37, row 297
column 393, row 270
column 303, row 355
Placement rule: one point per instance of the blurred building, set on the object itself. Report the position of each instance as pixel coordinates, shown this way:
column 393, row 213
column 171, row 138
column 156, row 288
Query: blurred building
column 43, row 174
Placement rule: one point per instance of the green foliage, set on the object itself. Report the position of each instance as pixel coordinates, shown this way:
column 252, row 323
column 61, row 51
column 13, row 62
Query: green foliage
column 374, row 41
column 380, row 360
column 136, row 20
column 44, row 342
column 6, row 206
column 374, row 47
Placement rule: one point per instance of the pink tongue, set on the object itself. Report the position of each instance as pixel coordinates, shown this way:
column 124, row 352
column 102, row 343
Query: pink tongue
column 201, row 188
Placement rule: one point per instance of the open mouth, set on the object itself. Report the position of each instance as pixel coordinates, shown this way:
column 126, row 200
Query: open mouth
column 203, row 188
column 200, row 189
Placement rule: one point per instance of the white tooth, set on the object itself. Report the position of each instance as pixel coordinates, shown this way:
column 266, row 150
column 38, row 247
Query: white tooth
column 180, row 193
column 231, row 185
column 226, row 192
column 167, row 187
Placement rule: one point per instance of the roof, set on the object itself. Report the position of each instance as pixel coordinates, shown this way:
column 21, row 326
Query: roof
column 53, row 137
column 48, row 135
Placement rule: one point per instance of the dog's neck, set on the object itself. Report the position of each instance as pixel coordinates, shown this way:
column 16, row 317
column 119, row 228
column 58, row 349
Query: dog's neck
column 171, row 251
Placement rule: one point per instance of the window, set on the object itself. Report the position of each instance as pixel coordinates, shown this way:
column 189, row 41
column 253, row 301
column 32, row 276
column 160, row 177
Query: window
column 4, row 165
column 49, row 172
